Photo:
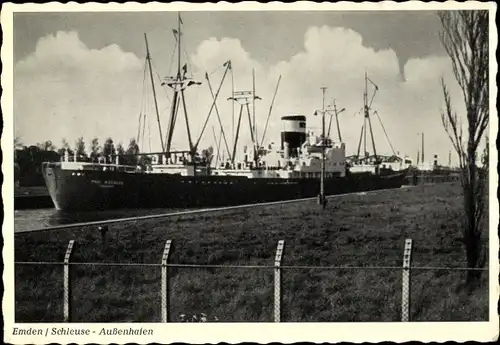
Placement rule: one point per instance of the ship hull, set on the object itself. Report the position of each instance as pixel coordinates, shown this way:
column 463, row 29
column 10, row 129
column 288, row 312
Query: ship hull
column 99, row 190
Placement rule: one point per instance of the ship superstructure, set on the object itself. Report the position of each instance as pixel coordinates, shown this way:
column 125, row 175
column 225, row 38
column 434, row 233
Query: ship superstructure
column 298, row 156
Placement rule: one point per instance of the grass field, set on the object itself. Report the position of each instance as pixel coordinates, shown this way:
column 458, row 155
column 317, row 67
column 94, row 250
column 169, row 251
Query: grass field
column 355, row 230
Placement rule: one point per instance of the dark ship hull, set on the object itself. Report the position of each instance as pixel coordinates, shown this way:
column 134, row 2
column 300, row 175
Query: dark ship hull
column 72, row 190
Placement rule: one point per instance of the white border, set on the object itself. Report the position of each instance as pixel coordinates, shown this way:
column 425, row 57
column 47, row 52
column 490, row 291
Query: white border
column 251, row 332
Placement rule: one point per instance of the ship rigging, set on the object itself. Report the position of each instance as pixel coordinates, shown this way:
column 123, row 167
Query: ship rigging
column 179, row 83
column 366, row 161
column 184, row 179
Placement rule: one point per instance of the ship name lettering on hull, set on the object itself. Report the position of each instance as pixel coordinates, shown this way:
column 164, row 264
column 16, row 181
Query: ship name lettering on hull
column 107, row 182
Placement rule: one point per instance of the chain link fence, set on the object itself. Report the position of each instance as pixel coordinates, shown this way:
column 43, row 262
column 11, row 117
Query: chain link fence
column 170, row 292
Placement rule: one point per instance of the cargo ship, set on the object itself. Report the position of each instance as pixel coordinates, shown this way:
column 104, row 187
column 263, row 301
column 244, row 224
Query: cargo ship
column 171, row 181
column 300, row 167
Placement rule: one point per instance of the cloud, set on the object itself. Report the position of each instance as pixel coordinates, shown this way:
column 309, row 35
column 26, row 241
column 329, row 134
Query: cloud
column 64, row 89
column 337, row 58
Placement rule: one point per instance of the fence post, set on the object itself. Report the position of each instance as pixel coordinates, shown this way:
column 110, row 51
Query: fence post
column 406, row 291
column 164, row 282
column 67, row 285
column 277, row 281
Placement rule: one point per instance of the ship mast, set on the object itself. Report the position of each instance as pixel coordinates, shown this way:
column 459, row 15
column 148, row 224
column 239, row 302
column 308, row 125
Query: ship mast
column 422, row 151
column 179, row 84
column 243, row 99
column 336, row 113
column 179, row 38
column 360, row 140
column 337, row 119
column 270, row 110
column 227, row 64
column 322, row 199
column 367, row 108
column 253, row 109
column 148, row 58
column 139, row 128
column 365, row 113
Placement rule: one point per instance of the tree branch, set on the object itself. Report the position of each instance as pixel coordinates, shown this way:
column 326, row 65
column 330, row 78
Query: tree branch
column 465, row 38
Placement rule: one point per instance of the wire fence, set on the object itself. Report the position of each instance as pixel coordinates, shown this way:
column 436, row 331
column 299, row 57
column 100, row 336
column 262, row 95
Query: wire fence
column 279, row 270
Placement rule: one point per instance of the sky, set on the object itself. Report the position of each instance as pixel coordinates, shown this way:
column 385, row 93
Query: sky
column 82, row 74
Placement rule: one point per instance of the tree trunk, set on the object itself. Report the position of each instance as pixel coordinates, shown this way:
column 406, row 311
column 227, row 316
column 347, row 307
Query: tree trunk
column 472, row 237
column 473, row 249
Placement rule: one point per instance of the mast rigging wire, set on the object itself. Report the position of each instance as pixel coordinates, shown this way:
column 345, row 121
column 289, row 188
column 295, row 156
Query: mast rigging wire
column 374, row 92
column 142, row 100
column 216, row 69
column 139, row 127
column 217, row 145
column 188, row 63
column 172, row 59
column 159, row 80
column 232, row 104
column 270, row 110
column 387, row 137
column 216, row 110
column 214, row 103
column 175, row 104
column 154, row 92
column 149, row 135
column 146, row 110
column 141, row 143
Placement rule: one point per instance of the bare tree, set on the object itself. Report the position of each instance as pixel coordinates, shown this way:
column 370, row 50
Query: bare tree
column 464, row 35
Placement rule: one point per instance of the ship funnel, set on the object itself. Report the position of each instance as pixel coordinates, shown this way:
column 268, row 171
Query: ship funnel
column 293, row 133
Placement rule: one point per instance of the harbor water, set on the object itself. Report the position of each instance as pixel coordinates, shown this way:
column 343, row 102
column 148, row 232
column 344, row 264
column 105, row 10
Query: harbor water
column 25, row 220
